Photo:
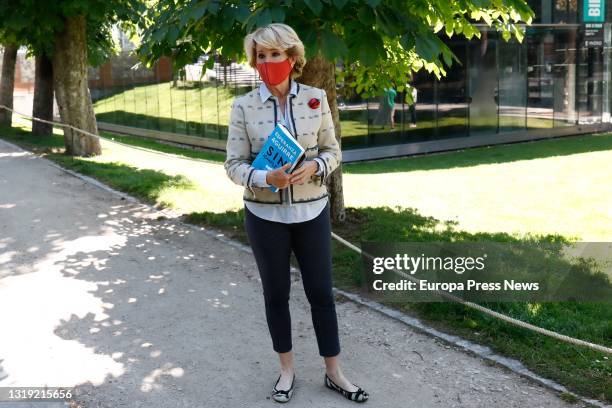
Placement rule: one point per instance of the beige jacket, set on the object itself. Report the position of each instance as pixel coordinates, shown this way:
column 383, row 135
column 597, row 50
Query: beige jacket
column 251, row 121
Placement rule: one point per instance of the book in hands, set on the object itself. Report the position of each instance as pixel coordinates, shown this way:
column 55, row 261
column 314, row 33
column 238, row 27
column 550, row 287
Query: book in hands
column 279, row 149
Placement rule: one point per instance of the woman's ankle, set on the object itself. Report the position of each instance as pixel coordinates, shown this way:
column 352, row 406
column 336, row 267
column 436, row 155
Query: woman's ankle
column 335, row 372
column 287, row 371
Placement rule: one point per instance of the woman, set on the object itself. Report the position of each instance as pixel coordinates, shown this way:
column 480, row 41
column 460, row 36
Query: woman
column 296, row 218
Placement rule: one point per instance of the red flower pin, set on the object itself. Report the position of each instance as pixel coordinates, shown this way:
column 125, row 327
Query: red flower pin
column 314, row 103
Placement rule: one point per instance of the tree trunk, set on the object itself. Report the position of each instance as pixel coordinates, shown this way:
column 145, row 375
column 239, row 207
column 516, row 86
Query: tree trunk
column 71, row 88
column 321, row 73
column 7, row 83
column 43, row 95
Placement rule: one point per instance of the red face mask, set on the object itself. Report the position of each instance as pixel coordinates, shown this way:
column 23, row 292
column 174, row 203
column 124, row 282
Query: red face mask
column 273, row 73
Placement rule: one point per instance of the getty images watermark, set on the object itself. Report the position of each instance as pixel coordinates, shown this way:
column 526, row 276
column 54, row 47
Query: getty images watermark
column 484, row 271
column 459, row 265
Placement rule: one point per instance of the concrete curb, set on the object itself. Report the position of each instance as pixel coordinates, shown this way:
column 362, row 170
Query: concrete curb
column 466, row 345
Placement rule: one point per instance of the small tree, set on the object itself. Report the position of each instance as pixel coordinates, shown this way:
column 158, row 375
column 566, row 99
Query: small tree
column 380, row 40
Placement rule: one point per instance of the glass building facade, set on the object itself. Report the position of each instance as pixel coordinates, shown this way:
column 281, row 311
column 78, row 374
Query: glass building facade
column 555, row 82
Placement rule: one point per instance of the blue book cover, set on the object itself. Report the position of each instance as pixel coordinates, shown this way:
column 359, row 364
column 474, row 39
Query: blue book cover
column 279, row 149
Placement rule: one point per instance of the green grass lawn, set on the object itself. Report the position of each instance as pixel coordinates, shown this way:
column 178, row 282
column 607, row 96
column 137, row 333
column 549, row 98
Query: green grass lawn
column 552, row 186
column 546, row 191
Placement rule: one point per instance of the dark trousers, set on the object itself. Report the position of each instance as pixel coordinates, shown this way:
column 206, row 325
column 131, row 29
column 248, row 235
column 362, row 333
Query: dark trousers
column 412, row 110
column 272, row 243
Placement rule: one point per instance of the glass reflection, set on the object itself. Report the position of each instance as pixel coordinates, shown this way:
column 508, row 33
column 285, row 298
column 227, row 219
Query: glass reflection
column 512, row 94
column 483, row 83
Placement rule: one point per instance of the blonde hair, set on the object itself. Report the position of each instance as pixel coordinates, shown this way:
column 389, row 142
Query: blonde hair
column 276, row 36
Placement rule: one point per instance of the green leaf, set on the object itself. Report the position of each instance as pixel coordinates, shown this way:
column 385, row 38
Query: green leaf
column 447, row 58
column 449, row 26
column 172, row 34
column 332, row 46
column 459, row 26
column 407, row 41
column 197, row 12
column 251, row 21
column 213, row 6
column 340, row 4
column 469, row 31
column 278, row 14
column 439, row 25
column 371, row 48
column 310, row 43
column 366, row 16
column 185, row 18
column 487, row 18
column 519, row 33
column 227, row 20
column 388, row 23
column 242, row 13
column 315, row 5
column 427, row 46
column 373, row 3
column 482, row 3
column 159, row 34
column 514, row 15
column 264, row 18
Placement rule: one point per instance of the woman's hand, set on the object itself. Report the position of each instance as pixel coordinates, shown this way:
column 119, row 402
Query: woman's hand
column 278, row 178
column 303, row 173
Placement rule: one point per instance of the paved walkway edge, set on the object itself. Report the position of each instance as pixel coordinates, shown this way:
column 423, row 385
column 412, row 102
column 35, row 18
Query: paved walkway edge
column 466, row 345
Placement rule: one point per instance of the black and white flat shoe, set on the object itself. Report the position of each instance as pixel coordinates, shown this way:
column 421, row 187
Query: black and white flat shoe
column 358, row 396
column 283, row 395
